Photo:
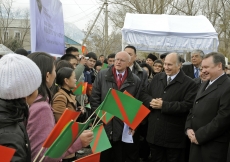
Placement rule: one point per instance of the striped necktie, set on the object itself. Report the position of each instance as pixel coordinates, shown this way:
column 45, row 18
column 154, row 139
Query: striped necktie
column 169, row 80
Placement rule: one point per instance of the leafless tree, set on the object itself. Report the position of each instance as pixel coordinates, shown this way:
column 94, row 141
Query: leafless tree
column 13, row 19
column 217, row 11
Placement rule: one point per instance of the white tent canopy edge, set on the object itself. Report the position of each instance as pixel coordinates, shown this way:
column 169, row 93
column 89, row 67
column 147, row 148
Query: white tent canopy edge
column 164, row 33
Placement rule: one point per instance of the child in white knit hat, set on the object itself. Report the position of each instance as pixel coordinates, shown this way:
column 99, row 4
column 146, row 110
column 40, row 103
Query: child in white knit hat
column 20, row 78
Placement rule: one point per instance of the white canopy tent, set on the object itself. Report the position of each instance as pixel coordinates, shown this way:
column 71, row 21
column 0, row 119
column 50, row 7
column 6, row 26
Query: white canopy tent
column 162, row 33
column 4, row 50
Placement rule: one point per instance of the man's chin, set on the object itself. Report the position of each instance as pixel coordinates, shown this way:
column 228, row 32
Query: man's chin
column 167, row 73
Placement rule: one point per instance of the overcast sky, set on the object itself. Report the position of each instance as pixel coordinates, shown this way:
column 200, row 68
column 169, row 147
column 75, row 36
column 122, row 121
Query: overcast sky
column 79, row 12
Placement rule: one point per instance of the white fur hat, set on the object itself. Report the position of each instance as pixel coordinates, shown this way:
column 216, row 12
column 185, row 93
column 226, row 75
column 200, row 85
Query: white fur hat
column 19, row 76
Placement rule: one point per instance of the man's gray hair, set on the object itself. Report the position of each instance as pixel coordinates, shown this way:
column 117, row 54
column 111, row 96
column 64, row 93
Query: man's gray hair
column 197, row 51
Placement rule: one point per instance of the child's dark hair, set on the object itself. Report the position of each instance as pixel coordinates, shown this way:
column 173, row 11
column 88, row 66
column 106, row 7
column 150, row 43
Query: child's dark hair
column 91, row 55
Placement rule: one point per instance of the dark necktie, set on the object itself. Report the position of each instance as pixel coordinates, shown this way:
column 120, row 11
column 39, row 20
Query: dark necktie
column 169, row 80
column 196, row 74
column 119, row 80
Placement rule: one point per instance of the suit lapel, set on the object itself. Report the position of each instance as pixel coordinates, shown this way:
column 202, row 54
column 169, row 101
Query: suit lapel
column 207, row 91
column 202, row 92
column 178, row 78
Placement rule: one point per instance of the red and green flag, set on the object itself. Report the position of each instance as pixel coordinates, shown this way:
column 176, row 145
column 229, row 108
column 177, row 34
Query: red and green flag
column 6, row 153
column 106, row 117
column 128, row 109
column 70, row 133
column 104, row 66
column 128, row 94
column 100, row 141
column 65, row 118
column 78, row 89
column 90, row 158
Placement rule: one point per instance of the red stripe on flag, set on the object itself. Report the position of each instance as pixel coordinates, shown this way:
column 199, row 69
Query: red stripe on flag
column 6, row 153
column 90, row 158
column 128, row 94
column 97, row 138
column 120, row 106
column 141, row 114
column 77, row 86
column 75, row 130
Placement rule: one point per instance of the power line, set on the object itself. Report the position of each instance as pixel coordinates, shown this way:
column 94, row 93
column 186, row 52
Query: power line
column 80, row 13
column 82, row 18
column 80, row 7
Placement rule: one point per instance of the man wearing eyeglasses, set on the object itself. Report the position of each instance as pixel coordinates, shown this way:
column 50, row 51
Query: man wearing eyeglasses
column 119, row 77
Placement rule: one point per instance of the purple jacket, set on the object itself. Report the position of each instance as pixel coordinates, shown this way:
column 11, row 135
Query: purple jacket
column 40, row 123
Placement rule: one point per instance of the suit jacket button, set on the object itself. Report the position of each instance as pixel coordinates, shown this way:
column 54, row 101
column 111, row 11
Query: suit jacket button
column 164, row 91
column 196, row 102
column 157, row 118
column 192, row 116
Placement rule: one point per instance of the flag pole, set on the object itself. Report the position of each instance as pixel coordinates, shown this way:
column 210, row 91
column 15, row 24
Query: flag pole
column 90, row 116
column 96, row 118
column 42, row 159
column 98, row 121
column 38, row 154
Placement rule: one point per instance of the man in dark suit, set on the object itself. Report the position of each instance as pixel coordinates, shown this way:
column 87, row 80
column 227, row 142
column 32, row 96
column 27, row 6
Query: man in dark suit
column 208, row 124
column 169, row 96
column 192, row 70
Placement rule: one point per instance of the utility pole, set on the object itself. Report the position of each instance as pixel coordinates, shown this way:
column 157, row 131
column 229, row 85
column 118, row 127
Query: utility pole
column 92, row 25
column 106, row 26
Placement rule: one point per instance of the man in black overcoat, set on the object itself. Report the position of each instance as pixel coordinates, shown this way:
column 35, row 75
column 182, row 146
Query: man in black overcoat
column 119, row 77
column 208, row 124
column 170, row 97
